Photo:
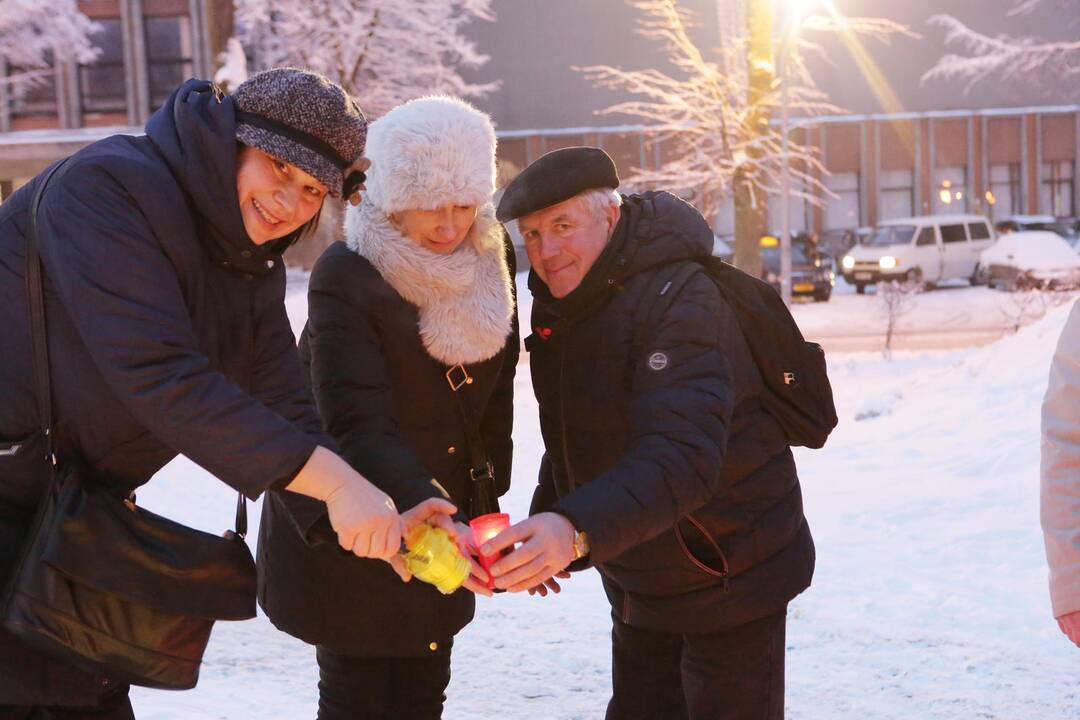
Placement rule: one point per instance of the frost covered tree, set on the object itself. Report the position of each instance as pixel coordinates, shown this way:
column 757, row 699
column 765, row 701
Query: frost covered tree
column 35, row 34
column 233, row 71
column 384, row 52
column 712, row 114
column 1000, row 58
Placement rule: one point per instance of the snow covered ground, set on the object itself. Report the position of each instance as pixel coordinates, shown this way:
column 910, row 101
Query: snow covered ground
column 954, row 315
column 930, row 595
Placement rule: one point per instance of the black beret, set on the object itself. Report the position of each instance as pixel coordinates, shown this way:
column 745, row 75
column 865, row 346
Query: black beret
column 556, row 176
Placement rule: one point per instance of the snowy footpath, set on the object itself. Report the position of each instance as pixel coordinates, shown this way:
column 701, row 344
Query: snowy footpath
column 929, row 599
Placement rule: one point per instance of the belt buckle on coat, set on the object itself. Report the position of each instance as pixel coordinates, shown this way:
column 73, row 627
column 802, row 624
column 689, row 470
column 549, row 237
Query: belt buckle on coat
column 455, row 384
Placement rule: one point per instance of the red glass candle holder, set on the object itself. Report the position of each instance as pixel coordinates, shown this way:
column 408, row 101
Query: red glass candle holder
column 484, row 528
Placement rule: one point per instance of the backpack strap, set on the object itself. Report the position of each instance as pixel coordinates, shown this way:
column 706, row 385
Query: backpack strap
column 664, row 286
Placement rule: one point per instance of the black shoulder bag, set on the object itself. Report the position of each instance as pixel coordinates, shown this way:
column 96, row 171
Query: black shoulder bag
column 105, row 585
column 482, row 496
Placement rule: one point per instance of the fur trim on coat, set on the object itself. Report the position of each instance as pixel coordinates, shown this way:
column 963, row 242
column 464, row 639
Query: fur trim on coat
column 430, row 152
column 465, row 300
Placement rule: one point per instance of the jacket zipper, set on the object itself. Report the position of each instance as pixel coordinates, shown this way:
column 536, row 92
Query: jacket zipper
column 562, row 419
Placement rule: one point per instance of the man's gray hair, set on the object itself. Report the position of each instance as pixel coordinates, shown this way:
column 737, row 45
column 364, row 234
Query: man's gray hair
column 598, row 200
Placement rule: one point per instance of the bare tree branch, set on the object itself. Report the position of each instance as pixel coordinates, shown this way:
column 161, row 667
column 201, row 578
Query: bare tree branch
column 36, row 34
column 703, row 115
column 1002, row 58
column 383, row 52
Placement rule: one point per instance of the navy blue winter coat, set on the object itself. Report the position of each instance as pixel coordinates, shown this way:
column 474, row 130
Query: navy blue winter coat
column 656, row 444
column 387, row 403
column 167, row 333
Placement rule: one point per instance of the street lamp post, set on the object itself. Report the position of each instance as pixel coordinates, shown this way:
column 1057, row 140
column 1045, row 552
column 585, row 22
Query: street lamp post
column 785, row 170
column 794, row 11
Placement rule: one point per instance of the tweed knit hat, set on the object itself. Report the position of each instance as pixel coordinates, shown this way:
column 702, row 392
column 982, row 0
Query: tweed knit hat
column 431, row 152
column 304, row 119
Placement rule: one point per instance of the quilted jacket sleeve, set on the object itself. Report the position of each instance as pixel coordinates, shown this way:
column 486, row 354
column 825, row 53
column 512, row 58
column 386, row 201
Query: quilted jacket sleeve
column 680, row 416
column 123, row 295
column 1060, row 476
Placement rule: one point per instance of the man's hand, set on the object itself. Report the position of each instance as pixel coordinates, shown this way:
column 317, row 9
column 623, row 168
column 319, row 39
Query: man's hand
column 549, row 584
column 547, row 548
column 1070, row 625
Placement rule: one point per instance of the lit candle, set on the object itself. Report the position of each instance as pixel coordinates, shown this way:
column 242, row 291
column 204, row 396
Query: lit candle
column 485, row 528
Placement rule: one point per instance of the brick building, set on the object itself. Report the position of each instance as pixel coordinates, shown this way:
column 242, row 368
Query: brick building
column 903, row 147
column 148, row 47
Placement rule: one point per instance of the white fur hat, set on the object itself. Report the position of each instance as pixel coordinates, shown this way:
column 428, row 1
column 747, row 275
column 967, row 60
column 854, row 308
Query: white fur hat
column 430, row 152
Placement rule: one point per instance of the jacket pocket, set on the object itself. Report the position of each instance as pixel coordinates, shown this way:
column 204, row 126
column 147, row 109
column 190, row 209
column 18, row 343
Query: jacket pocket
column 24, row 470
column 706, row 554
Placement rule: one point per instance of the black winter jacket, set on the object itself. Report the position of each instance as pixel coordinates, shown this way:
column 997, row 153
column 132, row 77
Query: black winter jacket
column 387, row 403
column 167, row 334
column 659, row 450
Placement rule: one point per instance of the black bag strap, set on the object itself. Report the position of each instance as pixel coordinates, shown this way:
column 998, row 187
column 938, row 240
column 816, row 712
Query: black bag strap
column 481, row 470
column 36, row 303
column 39, row 339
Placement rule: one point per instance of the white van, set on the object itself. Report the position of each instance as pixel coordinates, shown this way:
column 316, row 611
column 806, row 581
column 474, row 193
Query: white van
column 925, row 249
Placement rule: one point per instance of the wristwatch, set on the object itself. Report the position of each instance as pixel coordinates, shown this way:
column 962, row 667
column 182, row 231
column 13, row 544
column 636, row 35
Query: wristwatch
column 581, row 544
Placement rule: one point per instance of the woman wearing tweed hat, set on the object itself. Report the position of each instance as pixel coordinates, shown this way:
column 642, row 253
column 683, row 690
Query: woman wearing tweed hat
column 164, row 287
column 411, row 314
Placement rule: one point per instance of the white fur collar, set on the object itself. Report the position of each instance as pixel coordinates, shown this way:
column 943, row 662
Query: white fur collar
column 464, row 298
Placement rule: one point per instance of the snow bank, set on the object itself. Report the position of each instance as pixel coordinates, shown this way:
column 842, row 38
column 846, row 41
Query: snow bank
column 930, row 596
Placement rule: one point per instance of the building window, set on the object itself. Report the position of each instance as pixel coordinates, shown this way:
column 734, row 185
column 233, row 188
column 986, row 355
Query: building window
column 101, row 83
column 1004, row 195
column 1056, row 192
column 842, row 212
column 34, row 96
column 897, row 194
column 950, row 190
column 168, row 56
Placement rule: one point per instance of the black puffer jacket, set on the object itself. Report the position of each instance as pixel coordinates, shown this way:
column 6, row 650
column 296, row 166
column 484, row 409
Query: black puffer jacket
column 167, row 333
column 659, row 450
column 387, row 402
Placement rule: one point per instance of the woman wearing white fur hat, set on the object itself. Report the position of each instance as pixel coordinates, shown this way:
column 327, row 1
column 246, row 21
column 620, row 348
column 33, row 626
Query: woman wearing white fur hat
column 417, row 298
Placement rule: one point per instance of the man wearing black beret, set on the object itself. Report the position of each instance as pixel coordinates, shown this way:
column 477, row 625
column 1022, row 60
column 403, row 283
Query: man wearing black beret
column 661, row 469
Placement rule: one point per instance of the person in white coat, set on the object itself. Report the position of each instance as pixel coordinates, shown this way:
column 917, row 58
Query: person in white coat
column 1060, row 478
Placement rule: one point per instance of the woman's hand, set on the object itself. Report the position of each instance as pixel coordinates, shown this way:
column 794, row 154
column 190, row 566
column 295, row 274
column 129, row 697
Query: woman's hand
column 478, row 578
column 361, row 165
column 434, row 511
column 363, row 516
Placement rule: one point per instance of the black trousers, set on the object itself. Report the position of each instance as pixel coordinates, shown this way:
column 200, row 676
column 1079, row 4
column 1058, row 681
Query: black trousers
column 113, row 706
column 352, row 688
column 737, row 674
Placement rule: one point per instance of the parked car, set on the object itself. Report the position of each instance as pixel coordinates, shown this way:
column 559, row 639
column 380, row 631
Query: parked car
column 1066, row 227
column 1031, row 259
column 925, row 250
column 812, row 273
column 836, row 243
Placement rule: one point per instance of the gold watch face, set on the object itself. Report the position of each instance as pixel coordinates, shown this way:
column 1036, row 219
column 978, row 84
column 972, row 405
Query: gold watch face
column 581, row 545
